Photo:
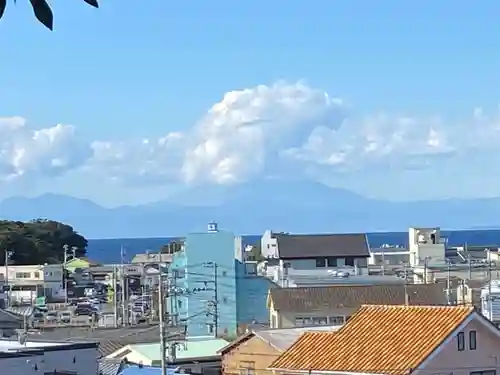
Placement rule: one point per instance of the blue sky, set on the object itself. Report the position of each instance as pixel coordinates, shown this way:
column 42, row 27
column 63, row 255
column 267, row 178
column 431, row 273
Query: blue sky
column 124, row 73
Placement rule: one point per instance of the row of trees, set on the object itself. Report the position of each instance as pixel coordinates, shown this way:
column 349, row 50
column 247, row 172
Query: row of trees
column 38, row 241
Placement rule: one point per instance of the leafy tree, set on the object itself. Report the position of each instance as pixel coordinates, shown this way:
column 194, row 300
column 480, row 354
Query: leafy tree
column 42, row 10
column 39, row 241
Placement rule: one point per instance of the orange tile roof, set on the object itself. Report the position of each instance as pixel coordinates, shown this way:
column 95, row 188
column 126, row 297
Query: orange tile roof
column 377, row 339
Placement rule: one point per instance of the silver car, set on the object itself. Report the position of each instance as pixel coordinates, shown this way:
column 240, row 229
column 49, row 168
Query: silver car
column 51, row 317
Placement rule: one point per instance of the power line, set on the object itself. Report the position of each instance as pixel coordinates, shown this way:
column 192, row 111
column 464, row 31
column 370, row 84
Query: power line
column 173, row 292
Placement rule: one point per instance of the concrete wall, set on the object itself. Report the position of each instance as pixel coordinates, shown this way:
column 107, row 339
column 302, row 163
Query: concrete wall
column 288, row 319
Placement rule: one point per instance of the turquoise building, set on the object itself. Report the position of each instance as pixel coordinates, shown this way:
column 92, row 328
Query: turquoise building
column 217, row 293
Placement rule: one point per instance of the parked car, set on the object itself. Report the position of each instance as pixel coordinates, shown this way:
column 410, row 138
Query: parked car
column 38, row 317
column 42, row 308
column 65, row 316
column 51, row 317
column 85, row 310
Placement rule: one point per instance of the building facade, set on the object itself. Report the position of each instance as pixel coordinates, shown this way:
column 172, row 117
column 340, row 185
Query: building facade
column 256, row 350
column 335, row 304
column 290, row 254
column 31, row 281
column 205, row 279
column 431, row 340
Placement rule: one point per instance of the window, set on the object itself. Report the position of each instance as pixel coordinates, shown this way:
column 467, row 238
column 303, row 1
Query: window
column 461, row 341
column 179, row 304
column 332, row 261
column 247, row 368
column 349, row 261
column 36, row 275
column 320, row 321
column 320, row 262
column 472, row 340
column 485, row 372
column 23, row 275
column 302, row 321
column 337, row 320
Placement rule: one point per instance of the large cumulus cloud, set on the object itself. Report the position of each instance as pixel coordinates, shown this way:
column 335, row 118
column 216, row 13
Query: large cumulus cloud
column 288, row 127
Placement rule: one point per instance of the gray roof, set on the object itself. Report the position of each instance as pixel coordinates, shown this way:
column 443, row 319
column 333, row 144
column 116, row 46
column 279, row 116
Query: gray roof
column 293, row 246
column 323, row 298
column 20, row 311
column 282, row 339
column 10, row 320
column 110, row 366
column 324, row 279
column 152, row 258
column 110, row 339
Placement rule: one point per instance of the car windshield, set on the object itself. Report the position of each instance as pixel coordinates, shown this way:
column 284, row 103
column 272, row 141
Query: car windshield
column 52, row 314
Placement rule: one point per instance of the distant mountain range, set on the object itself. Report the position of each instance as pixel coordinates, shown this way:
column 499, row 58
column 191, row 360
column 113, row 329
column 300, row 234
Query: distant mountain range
column 305, row 207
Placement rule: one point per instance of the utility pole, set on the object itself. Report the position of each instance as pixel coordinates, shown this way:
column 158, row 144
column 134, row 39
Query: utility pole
column 490, row 310
column 7, row 255
column 173, row 292
column 115, row 296
column 68, row 255
column 469, row 264
column 161, row 316
column 213, row 305
column 426, row 268
column 124, row 288
column 407, row 302
column 383, row 262
column 216, row 302
column 448, row 283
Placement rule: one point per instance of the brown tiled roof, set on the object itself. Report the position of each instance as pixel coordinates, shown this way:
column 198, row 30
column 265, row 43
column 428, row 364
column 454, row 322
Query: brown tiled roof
column 378, row 339
column 291, row 246
column 309, row 299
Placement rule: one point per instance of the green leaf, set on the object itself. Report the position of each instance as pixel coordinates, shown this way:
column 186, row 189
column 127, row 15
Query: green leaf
column 3, row 4
column 94, row 3
column 43, row 13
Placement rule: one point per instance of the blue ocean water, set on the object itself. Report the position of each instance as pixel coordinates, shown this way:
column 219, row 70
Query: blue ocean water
column 108, row 250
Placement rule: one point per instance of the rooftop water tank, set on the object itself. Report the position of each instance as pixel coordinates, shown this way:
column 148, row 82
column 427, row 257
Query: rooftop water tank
column 212, row 227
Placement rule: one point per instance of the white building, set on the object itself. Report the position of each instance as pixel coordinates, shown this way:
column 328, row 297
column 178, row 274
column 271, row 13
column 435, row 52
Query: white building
column 426, row 248
column 35, row 358
column 31, row 281
column 290, row 255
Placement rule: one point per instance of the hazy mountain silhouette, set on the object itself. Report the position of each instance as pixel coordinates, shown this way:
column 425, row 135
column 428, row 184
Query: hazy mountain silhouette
column 250, row 208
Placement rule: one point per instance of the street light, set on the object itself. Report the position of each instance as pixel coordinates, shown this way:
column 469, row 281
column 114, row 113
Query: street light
column 8, row 253
column 68, row 255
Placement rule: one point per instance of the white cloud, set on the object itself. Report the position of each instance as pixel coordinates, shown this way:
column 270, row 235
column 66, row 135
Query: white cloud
column 143, row 161
column 257, row 131
column 249, row 128
column 46, row 152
